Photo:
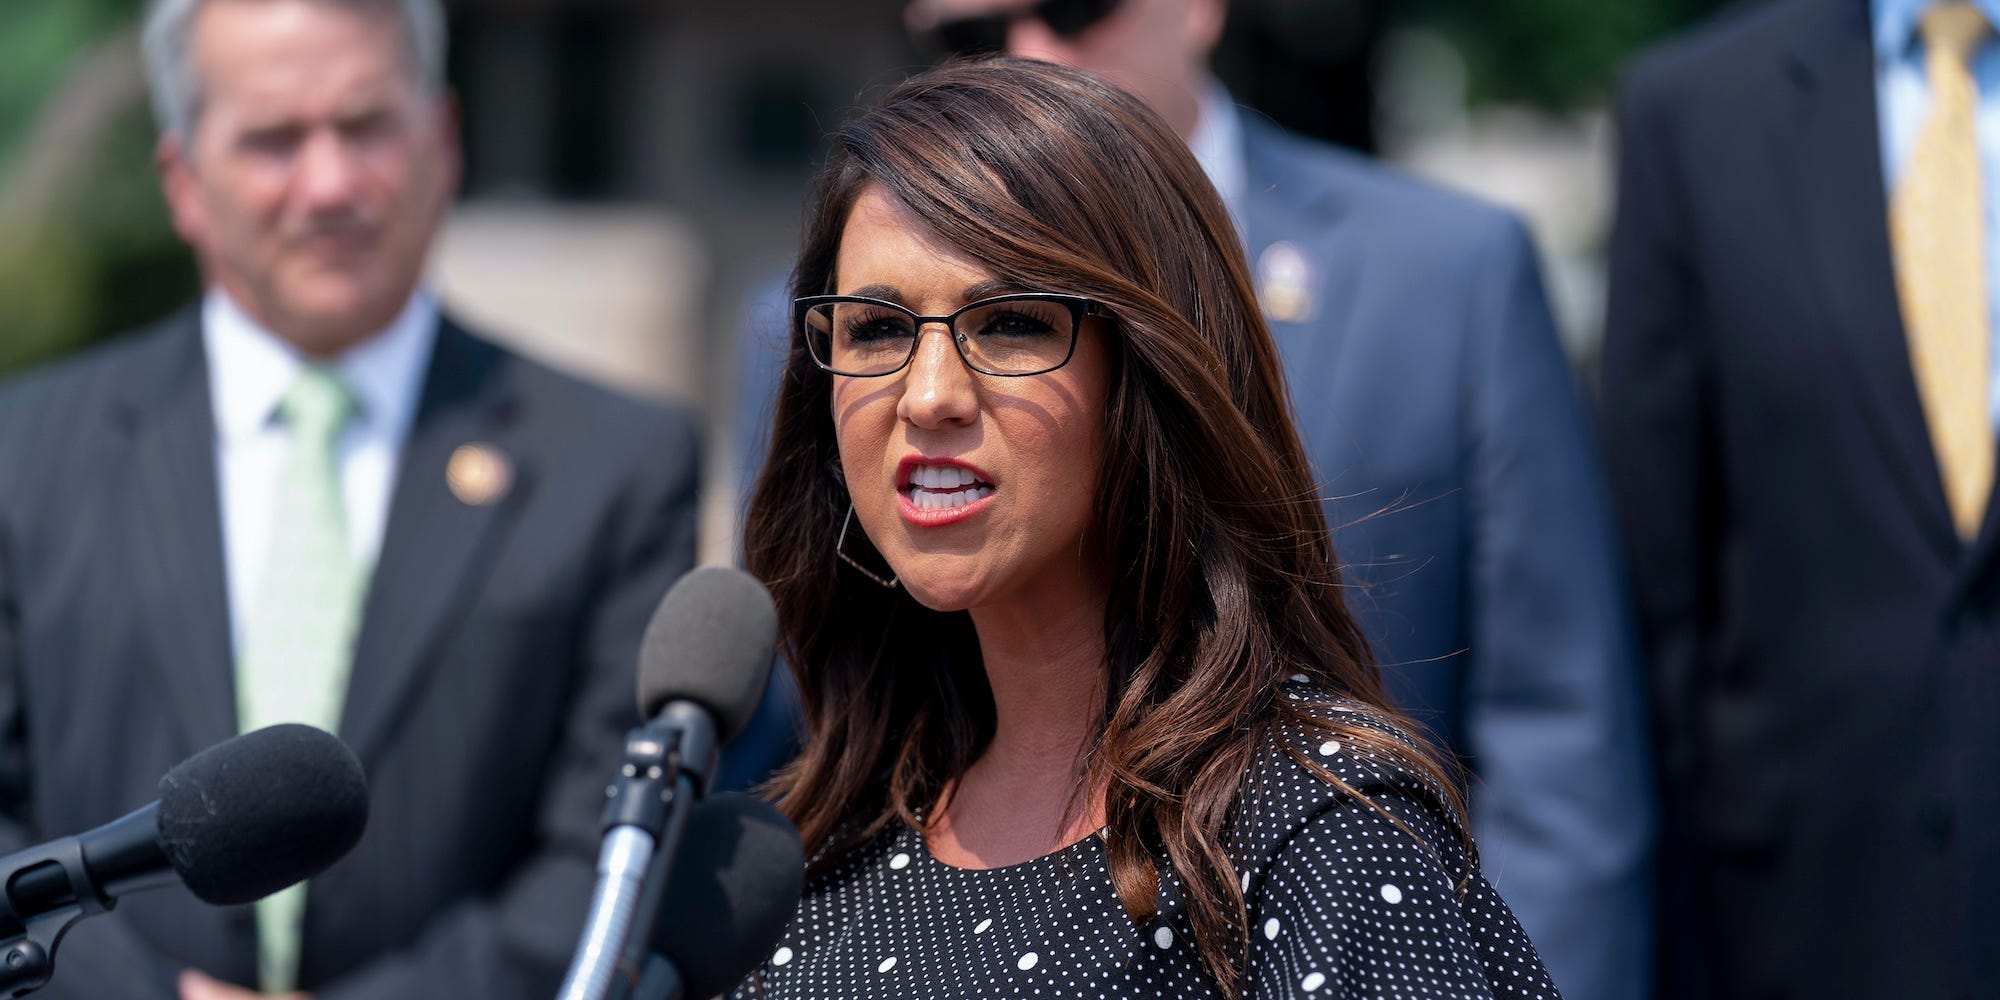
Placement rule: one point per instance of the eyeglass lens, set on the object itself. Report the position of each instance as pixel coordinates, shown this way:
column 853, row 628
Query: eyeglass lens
column 1013, row 337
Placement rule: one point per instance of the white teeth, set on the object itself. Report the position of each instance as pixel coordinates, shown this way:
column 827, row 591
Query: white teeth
column 941, row 477
column 944, row 487
column 949, row 501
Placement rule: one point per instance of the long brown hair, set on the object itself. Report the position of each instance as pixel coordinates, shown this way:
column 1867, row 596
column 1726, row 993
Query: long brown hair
column 1224, row 579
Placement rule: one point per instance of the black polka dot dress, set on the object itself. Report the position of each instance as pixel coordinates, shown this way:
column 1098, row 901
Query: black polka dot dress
column 1342, row 903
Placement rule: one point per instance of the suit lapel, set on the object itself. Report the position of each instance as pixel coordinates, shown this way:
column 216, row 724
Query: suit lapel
column 433, row 543
column 1303, row 269
column 175, row 524
column 1833, row 150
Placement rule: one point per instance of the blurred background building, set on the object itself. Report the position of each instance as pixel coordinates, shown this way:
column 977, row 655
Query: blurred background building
column 636, row 167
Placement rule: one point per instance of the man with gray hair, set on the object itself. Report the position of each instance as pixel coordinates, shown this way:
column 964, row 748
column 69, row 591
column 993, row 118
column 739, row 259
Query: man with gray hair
column 314, row 497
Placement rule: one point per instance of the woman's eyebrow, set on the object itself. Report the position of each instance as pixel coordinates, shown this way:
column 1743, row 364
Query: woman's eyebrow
column 991, row 287
column 974, row 292
column 887, row 293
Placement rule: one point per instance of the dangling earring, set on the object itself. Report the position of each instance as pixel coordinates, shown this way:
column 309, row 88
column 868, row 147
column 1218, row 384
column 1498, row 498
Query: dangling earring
column 840, row 549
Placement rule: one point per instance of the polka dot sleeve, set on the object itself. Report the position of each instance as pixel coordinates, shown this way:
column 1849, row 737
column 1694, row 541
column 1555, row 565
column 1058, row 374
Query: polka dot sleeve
column 1354, row 906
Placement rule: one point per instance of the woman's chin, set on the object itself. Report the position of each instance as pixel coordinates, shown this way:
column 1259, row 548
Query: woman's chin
column 940, row 592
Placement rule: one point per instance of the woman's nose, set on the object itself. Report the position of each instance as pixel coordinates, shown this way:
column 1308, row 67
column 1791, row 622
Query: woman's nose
column 938, row 389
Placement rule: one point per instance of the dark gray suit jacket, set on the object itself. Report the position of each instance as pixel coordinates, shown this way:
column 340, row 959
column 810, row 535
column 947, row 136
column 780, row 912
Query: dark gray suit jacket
column 492, row 680
column 1825, row 650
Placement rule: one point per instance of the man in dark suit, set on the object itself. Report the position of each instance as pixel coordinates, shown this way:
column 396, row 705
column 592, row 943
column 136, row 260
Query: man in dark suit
column 1797, row 374
column 311, row 497
column 1430, row 388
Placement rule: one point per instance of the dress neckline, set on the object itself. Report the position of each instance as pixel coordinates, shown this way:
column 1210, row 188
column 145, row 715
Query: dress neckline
column 911, row 842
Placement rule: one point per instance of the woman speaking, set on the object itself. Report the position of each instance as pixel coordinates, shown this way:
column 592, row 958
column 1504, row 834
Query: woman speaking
column 1087, row 716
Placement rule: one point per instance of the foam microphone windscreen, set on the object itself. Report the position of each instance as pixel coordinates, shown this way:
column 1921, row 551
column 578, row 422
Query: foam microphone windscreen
column 710, row 642
column 254, row 814
column 734, row 887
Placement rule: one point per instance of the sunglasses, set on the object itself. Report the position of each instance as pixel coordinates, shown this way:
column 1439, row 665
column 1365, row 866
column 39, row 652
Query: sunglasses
column 987, row 33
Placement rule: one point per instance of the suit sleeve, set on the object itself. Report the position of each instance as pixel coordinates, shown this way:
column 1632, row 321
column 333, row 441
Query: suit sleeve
column 1657, row 424
column 100, row 958
column 1555, row 718
column 518, row 942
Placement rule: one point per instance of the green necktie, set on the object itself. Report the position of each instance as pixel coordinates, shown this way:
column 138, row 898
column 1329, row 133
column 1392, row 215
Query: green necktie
column 303, row 618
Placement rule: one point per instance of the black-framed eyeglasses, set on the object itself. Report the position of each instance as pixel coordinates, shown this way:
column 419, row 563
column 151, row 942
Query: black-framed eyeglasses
column 982, row 34
column 1027, row 333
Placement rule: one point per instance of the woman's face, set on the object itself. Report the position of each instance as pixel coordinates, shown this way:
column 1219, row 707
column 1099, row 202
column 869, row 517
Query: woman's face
column 909, row 442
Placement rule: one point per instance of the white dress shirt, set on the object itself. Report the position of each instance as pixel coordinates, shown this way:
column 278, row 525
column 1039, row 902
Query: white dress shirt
column 249, row 372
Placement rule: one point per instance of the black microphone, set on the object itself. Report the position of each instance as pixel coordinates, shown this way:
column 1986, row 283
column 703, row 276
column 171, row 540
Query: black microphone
column 234, row 823
column 733, row 891
column 703, row 663
column 707, row 650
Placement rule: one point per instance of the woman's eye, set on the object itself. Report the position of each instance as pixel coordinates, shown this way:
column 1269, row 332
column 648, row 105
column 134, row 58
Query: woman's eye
column 864, row 330
column 1015, row 323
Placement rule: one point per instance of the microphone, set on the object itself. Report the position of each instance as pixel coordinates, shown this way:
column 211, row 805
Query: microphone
column 737, row 884
column 703, row 664
column 234, row 823
column 707, row 650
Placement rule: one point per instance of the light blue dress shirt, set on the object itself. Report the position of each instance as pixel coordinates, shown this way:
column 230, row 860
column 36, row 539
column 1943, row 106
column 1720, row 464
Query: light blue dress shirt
column 1903, row 98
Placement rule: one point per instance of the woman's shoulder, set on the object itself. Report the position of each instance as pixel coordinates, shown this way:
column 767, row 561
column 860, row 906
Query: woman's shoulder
column 1327, row 754
column 1345, row 834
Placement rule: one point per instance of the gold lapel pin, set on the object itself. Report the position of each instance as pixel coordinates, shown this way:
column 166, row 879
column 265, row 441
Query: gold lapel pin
column 1285, row 282
column 478, row 474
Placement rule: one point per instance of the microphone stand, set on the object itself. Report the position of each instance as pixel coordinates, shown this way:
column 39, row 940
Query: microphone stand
column 28, row 955
column 633, row 958
column 668, row 763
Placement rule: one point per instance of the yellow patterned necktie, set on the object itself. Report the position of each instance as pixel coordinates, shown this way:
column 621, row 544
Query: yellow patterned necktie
column 1937, row 228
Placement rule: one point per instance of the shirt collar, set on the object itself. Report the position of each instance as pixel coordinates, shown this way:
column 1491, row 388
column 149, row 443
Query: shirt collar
column 1895, row 24
column 250, row 368
column 1217, row 144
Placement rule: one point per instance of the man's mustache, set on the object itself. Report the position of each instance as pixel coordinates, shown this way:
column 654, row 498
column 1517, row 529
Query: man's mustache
column 342, row 226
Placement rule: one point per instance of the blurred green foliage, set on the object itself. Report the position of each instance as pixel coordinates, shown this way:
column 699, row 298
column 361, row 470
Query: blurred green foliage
column 1556, row 54
column 87, row 252
column 37, row 40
